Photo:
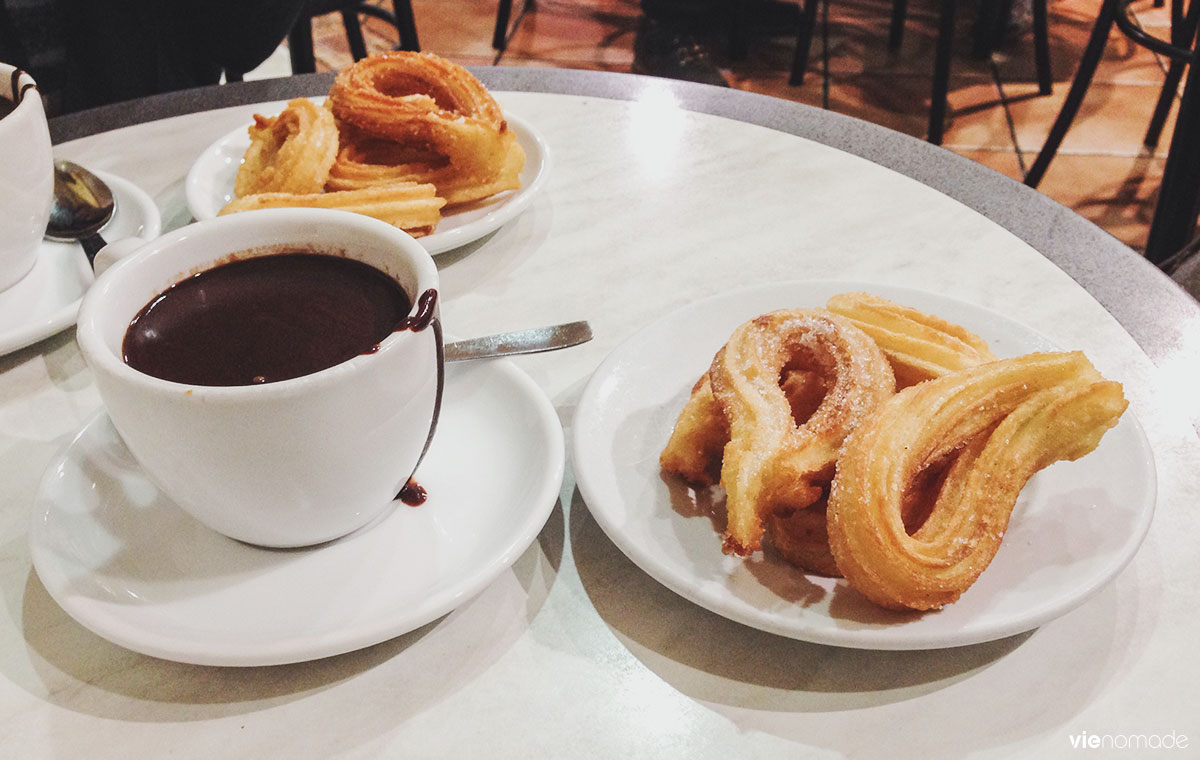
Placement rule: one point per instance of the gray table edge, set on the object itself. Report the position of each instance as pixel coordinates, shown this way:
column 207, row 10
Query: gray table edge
column 1151, row 307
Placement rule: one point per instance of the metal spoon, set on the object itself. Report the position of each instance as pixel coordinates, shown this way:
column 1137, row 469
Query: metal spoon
column 83, row 204
column 530, row 341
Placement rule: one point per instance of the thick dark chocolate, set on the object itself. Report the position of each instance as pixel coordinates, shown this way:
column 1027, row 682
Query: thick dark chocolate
column 264, row 319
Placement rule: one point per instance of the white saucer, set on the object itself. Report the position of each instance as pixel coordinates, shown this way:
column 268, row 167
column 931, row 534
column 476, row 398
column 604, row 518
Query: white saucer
column 47, row 299
column 209, row 185
column 126, row 563
column 1076, row 524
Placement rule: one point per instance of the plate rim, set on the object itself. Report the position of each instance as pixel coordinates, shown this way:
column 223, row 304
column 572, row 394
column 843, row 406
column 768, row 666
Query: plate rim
column 65, row 315
column 707, row 595
column 104, row 619
column 440, row 241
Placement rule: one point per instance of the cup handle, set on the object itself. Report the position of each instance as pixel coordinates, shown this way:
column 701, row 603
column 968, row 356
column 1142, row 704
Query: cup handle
column 114, row 252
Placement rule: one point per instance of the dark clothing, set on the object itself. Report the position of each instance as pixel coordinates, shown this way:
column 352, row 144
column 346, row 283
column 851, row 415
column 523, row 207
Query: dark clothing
column 86, row 53
column 673, row 37
column 670, row 40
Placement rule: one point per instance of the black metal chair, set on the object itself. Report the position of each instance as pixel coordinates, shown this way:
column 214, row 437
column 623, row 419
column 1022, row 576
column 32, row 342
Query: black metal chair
column 804, row 34
column 300, row 41
column 503, row 12
column 1178, row 205
column 993, row 16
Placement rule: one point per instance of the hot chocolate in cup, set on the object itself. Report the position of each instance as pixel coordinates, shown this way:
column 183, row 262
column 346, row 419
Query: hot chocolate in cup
column 219, row 353
column 26, row 174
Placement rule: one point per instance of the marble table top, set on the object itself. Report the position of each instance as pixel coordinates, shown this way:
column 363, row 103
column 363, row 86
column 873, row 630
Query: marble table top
column 660, row 194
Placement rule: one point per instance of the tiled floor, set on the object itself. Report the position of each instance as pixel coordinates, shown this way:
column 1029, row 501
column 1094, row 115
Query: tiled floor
column 996, row 116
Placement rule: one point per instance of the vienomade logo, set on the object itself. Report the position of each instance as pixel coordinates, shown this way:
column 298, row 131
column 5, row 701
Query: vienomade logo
column 1086, row 740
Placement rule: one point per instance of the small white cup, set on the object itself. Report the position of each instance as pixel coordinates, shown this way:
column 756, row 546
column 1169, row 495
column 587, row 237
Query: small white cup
column 26, row 175
column 284, row 464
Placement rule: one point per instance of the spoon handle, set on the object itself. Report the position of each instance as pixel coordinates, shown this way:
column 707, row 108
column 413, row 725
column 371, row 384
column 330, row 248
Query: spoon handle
column 520, row 342
column 91, row 246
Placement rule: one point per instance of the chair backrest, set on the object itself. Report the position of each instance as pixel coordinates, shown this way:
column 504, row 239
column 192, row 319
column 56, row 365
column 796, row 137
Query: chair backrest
column 300, row 40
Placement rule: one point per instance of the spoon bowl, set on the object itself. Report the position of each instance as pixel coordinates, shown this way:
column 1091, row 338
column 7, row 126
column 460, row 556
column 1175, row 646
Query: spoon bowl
column 83, row 205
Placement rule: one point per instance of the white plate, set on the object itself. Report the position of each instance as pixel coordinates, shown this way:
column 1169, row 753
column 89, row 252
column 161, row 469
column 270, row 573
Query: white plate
column 1075, row 526
column 126, row 563
column 46, row 300
column 209, row 186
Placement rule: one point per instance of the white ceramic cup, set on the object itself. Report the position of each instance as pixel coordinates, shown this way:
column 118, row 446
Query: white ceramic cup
column 26, row 175
column 284, row 464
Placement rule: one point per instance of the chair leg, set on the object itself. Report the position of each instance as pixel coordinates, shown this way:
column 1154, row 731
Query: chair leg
column 300, row 46
column 1083, row 79
column 804, row 35
column 406, row 25
column 1179, row 195
column 896, row 28
column 354, row 35
column 941, row 72
column 400, row 18
column 1183, row 29
column 500, row 35
column 1041, row 47
column 1166, row 99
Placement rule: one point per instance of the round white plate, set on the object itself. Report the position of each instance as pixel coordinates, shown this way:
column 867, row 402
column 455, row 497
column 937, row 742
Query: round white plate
column 209, row 186
column 1075, row 526
column 126, row 563
column 46, row 300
